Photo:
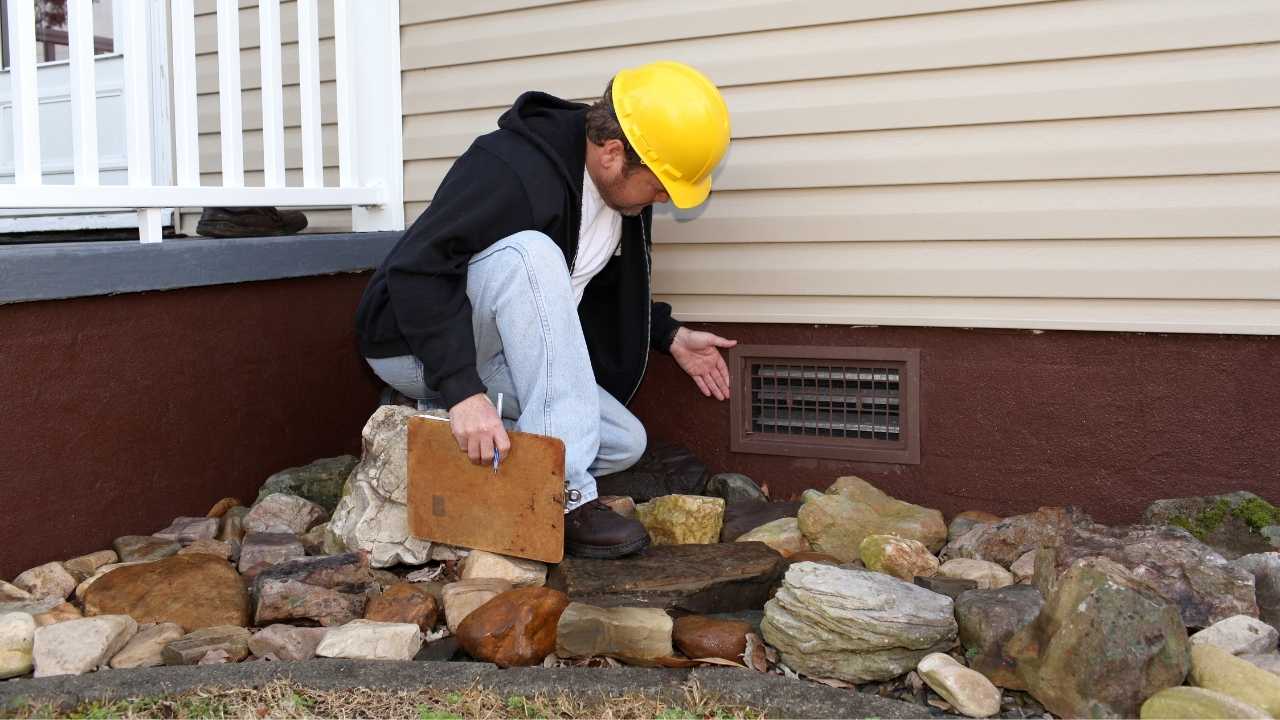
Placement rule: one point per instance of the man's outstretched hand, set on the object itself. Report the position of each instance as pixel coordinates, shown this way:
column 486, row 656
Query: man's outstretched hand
column 478, row 429
column 698, row 353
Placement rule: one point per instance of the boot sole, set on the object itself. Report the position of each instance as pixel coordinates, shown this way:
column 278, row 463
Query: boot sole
column 607, row 552
column 231, row 230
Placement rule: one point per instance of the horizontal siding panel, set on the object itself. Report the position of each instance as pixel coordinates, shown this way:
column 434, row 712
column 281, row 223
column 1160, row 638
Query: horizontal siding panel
column 421, row 11
column 1194, row 206
column 612, row 23
column 251, row 68
column 207, row 25
column 211, row 148
column 1190, row 316
column 207, row 111
column 212, row 175
column 1082, row 28
column 1185, row 269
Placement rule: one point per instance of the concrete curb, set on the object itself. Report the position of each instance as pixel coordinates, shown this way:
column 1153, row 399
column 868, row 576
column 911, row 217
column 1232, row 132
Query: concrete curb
column 777, row 696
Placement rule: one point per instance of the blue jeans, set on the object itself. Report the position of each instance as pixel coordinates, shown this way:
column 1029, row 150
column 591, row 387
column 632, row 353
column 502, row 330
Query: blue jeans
column 530, row 348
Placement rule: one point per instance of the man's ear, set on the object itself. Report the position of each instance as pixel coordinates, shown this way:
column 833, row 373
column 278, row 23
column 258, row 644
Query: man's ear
column 613, row 155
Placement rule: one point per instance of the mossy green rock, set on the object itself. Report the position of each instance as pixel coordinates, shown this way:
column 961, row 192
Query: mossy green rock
column 1213, row 668
column 852, row 509
column 321, row 481
column 900, row 557
column 1192, row 703
column 1234, row 524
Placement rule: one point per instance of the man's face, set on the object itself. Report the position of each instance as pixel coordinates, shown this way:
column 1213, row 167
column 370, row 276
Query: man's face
column 629, row 189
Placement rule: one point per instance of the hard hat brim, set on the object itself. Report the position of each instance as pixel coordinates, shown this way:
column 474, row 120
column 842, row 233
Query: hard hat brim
column 687, row 195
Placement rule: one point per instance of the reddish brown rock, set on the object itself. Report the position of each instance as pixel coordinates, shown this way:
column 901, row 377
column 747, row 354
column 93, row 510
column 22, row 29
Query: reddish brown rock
column 967, row 520
column 331, row 590
column 221, row 507
column 203, row 546
column 514, row 628
column 1011, row 538
column 698, row 636
column 404, row 603
column 61, row 612
column 810, row 556
column 194, row 591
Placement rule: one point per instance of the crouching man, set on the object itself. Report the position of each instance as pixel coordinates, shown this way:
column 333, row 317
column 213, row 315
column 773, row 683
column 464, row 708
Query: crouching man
column 528, row 275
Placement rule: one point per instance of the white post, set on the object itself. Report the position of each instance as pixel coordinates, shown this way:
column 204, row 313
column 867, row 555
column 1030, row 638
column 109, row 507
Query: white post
column 370, row 151
column 84, row 105
column 309, row 89
column 26, row 106
column 137, row 85
column 272, row 93
column 186, row 130
column 229, row 93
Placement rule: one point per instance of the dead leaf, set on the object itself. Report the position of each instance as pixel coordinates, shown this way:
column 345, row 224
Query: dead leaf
column 719, row 661
column 427, row 574
column 756, row 656
column 788, row 671
column 215, row 657
column 942, row 705
column 832, row 682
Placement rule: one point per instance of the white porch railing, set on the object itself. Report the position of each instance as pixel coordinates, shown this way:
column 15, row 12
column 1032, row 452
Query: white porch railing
column 370, row 155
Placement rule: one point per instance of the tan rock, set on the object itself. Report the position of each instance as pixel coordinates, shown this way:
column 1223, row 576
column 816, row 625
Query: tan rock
column 145, row 649
column 221, row 507
column 464, row 596
column 698, row 636
column 1267, row 661
column 837, row 525
column 17, row 636
column 518, row 572
column 1193, row 703
column 1239, row 635
column 782, row 535
column 194, row 591
column 625, row 633
column 286, row 642
column 232, row 528
column 191, row 648
column 1024, row 568
column 216, row 548
column 13, row 593
column 967, row 690
column 48, row 580
column 515, row 628
column 682, row 519
column 141, row 548
column 909, row 521
column 404, row 603
column 78, row 646
column 1213, row 668
column 988, row 575
column 369, row 640
column 902, row 558
column 85, row 566
column 61, row 612
column 621, row 504
column 83, row 587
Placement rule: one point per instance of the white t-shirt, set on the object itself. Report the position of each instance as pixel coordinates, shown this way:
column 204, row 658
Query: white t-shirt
column 598, row 237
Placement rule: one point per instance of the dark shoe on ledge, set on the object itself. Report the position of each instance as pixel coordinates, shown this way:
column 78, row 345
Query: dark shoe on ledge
column 592, row 530
column 234, row 222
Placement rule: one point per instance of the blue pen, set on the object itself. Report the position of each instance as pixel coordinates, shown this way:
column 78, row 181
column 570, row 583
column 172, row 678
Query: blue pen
column 496, row 454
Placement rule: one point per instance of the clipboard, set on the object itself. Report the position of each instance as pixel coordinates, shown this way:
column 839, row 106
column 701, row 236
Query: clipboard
column 517, row 510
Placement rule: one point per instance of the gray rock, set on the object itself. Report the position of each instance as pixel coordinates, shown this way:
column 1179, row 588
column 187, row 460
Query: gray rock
column 1239, row 635
column 146, row 648
column 987, row 619
column 263, row 550
column 84, row 566
column 855, row 625
column 319, row 481
column 734, row 487
column 635, row 634
column 370, row 640
column 283, row 513
column 192, row 647
column 141, row 548
column 13, row 593
column 186, row 530
column 48, row 580
column 331, row 590
column 286, row 642
column 951, row 587
column 1265, row 569
column 78, row 646
column 1234, row 524
column 1267, row 661
column 1005, row 541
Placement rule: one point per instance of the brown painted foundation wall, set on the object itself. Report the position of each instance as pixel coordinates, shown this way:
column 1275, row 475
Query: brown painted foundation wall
column 120, row 413
column 1013, row 420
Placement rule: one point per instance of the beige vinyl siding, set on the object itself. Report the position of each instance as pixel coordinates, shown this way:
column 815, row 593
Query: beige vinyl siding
column 1089, row 164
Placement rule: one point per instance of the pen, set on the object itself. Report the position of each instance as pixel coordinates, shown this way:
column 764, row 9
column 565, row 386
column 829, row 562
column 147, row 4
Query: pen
column 496, row 454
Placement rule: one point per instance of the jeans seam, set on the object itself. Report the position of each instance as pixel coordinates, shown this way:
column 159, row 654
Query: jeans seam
column 532, row 277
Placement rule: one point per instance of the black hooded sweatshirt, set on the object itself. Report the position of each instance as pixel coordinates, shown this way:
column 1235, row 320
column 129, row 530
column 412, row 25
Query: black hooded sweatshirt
column 527, row 175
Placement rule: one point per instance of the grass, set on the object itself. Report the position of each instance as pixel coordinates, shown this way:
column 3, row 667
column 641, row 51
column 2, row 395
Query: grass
column 284, row 699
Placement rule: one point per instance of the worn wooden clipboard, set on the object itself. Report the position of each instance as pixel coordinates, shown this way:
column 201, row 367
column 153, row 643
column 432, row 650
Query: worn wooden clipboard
column 517, row 511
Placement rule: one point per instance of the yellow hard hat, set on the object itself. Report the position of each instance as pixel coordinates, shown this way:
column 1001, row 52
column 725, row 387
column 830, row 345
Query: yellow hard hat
column 677, row 122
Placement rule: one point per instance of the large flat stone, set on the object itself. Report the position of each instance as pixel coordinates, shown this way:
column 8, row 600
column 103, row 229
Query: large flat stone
column 698, row 578
column 194, row 591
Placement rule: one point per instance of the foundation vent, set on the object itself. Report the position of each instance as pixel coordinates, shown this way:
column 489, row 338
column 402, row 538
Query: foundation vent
column 841, row 403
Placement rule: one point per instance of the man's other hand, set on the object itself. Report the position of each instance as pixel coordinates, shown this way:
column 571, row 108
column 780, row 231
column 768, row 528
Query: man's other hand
column 478, row 429
column 698, row 354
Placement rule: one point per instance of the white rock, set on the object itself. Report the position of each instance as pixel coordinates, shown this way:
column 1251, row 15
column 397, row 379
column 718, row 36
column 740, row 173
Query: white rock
column 968, row 690
column 1024, row 568
column 370, row 640
column 286, row 642
column 144, row 649
column 12, row 593
column 462, row 597
column 283, row 513
column 518, row 572
column 782, row 535
column 17, row 635
column 988, row 575
column 384, row 454
column 48, row 580
column 1267, row 661
column 365, row 520
column 1239, row 635
column 78, row 646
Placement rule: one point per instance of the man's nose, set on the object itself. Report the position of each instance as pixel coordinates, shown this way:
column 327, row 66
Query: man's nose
column 662, row 197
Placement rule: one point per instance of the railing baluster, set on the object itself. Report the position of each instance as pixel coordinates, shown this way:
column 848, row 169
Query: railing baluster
column 137, row 86
column 229, row 93
column 272, row 93
column 186, row 130
column 26, row 106
column 343, row 59
column 84, row 97
column 309, row 89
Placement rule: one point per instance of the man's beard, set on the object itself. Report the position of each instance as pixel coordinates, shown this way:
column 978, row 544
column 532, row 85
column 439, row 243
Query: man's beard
column 610, row 191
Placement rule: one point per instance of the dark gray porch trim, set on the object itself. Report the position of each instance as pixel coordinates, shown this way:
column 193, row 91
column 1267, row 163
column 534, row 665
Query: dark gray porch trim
column 67, row 270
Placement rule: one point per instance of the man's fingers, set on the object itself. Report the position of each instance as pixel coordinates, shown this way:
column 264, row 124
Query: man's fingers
column 473, row 449
column 486, row 449
column 502, row 442
column 722, row 342
column 702, row 385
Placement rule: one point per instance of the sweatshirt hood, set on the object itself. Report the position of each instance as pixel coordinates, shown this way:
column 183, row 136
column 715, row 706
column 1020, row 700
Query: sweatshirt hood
column 557, row 128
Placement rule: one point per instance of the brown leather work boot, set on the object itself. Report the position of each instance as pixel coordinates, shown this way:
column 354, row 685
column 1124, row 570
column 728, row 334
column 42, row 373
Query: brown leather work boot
column 237, row 222
column 592, row 530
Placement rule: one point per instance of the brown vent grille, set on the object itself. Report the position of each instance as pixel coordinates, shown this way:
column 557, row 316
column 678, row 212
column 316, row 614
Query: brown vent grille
column 841, row 403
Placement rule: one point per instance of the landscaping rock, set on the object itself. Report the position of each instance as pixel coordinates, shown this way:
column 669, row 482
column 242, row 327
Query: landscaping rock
column 733, row 487
column 514, row 628
column 191, row 648
column 216, row 548
column 743, row 517
column 723, row 577
column 811, row 556
column 855, row 625
column 1011, row 538
column 78, row 646
column 48, row 580
column 682, row 519
column 264, row 550
column 988, row 575
column 1267, row 661
column 232, row 528
column 1103, row 643
column 624, row 506
column 83, row 587
column 319, row 481
column 331, row 590
column 404, row 603
column 463, row 597
column 286, row 642
column 1235, row 524
column 783, row 535
column 146, row 648
column 281, row 513
column 968, row 691
column 663, row 469
column 221, row 507
column 518, row 572
column 186, row 530
column 143, row 548
column 897, row 517
column 1213, row 668
column 13, row 593
column 84, row 566
column 313, row 541
column 967, row 520
column 1024, row 568
column 1198, row 581
column 370, row 640
column 838, row 523
column 194, row 591
column 1239, row 635
column 1265, row 569
column 902, row 558
column 987, row 619
column 630, row 634
column 1193, row 703
column 17, row 636
column 699, row 636
column 61, row 612
column 811, row 494
column 951, row 587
